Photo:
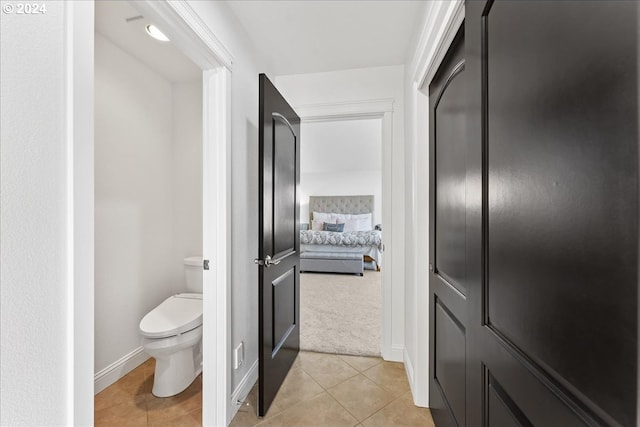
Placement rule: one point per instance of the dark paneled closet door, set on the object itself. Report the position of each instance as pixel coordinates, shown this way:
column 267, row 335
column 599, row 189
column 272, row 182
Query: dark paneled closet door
column 447, row 288
column 552, row 212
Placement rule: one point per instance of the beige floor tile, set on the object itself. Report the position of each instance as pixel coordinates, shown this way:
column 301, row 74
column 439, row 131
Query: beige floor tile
column 400, row 413
column 192, row 419
column 330, row 371
column 309, row 358
column 131, row 388
column 298, row 386
column 321, row 411
column 389, row 375
column 149, row 366
column 160, row 409
column 125, row 414
column 129, row 402
column 361, row 363
column 360, row 396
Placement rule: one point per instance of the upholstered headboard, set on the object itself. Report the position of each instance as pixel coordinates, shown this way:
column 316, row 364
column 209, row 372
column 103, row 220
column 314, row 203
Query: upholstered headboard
column 341, row 204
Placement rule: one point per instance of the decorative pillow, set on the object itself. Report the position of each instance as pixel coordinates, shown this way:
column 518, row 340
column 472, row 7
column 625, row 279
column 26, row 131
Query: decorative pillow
column 333, row 227
column 317, row 225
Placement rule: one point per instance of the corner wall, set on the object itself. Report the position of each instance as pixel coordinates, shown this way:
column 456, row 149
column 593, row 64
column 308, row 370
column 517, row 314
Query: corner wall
column 134, row 267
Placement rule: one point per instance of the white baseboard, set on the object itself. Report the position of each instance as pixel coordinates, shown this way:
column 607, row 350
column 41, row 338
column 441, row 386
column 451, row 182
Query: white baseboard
column 408, row 367
column 118, row 369
column 241, row 391
column 396, row 354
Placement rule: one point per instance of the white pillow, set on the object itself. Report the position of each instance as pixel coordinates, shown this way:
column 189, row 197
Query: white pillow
column 324, row 217
column 340, row 218
column 366, row 216
column 350, row 225
column 361, row 224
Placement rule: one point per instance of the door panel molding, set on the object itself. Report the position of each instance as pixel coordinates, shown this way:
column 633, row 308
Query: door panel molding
column 279, row 334
column 523, row 380
column 494, row 390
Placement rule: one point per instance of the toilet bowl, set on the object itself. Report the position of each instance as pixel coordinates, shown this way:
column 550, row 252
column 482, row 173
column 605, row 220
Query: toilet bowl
column 172, row 334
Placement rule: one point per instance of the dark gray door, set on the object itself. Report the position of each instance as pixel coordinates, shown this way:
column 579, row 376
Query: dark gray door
column 447, row 289
column 279, row 242
column 552, row 212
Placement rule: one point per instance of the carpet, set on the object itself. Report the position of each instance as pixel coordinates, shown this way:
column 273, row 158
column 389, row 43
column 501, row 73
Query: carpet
column 340, row 313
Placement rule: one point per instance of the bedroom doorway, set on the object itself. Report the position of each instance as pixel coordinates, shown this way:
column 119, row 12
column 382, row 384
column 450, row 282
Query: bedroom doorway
column 341, row 291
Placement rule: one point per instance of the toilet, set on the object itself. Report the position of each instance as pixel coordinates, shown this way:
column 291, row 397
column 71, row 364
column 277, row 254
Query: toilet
column 172, row 334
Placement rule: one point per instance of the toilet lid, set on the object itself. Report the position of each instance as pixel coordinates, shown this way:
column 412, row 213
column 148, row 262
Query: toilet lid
column 178, row 313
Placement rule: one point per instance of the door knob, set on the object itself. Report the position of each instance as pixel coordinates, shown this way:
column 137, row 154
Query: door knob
column 267, row 261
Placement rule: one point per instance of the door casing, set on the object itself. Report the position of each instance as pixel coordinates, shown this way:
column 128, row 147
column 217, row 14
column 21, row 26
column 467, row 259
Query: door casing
column 439, row 30
column 377, row 109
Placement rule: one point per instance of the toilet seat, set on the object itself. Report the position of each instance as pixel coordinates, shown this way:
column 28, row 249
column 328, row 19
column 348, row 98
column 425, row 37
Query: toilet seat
column 177, row 314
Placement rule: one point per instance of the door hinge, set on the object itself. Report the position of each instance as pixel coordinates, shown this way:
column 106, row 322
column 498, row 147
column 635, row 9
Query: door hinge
column 205, row 264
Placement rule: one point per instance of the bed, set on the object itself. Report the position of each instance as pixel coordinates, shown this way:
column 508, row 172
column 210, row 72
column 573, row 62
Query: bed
column 341, row 252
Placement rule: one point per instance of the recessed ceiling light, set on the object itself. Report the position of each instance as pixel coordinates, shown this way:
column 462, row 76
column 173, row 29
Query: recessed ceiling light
column 154, row 32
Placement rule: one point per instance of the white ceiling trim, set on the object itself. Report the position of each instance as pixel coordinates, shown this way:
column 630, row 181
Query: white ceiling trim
column 178, row 21
column 344, row 110
column 438, row 31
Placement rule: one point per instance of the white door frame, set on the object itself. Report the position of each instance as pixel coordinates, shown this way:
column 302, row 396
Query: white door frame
column 192, row 36
column 443, row 21
column 372, row 109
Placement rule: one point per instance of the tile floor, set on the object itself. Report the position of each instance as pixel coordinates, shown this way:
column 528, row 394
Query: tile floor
column 129, row 402
column 320, row 390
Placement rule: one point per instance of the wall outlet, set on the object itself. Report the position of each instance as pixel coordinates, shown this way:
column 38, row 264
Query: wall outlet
column 238, row 355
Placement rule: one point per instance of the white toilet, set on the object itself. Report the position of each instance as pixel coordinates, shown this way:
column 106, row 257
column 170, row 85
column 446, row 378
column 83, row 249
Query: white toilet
column 172, row 334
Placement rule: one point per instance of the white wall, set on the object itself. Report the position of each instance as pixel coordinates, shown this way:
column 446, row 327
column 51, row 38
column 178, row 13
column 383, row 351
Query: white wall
column 148, row 194
column 40, row 286
column 33, row 267
column 341, row 158
column 360, row 85
column 187, row 169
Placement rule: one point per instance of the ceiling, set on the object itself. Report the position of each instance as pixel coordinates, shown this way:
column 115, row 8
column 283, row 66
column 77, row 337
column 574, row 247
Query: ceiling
column 162, row 57
column 314, row 36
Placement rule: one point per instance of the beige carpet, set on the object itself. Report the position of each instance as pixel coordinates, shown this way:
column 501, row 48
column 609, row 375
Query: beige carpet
column 341, row 313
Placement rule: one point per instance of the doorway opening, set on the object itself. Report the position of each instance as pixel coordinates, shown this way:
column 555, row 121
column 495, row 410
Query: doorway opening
column 380, row 110
column 189, row 145
column 340, row 282
column 148, row 219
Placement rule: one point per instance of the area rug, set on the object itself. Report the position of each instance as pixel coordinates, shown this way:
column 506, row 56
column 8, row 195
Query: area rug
column 341, row 313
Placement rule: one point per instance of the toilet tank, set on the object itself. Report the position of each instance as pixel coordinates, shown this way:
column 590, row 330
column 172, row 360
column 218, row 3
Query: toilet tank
column 193, row 274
